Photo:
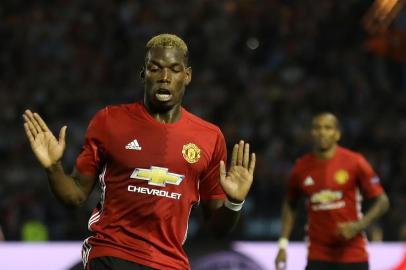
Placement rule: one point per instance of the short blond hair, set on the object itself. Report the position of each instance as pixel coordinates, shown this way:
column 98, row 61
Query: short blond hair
column 168, row 41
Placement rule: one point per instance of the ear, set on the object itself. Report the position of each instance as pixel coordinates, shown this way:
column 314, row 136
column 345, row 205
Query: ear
column 188, row 78
column 338, row 135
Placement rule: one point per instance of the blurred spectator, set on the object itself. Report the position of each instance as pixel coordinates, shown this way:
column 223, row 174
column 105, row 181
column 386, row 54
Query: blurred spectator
column 34, row 230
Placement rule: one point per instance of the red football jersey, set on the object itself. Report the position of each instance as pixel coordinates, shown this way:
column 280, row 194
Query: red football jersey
column 333, row 189
column 151, row 174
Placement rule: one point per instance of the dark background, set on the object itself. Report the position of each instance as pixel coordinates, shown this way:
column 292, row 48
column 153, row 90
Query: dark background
column 260, row 70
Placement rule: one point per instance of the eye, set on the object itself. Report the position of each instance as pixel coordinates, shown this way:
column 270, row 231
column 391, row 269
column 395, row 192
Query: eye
column 153, row 68
column 177, row 68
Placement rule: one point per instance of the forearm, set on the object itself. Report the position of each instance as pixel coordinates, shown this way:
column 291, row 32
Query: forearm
column 288, row 219
column 223, row 221
column 65, row 187
column 379, row 207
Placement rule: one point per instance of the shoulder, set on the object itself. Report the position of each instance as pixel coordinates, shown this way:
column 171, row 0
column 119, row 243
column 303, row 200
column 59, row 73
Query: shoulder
column 349, row 154
column 304, row 160
column 202, row 125
column 116, row 110
column 122, row 108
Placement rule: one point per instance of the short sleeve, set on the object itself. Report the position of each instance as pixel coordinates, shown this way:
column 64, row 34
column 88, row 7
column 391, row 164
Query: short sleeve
column 210, row 187
column 294, row 191
column 92, row 155
column 369, row 181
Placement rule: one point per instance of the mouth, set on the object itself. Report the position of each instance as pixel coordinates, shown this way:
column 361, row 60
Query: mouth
column 163, row 95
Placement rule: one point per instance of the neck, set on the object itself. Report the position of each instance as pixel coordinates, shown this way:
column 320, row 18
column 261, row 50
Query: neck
column 325, row 153
column 166, row 117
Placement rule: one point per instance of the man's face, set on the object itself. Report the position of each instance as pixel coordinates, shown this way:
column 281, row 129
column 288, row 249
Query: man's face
column 165, row 78
column 324, row 132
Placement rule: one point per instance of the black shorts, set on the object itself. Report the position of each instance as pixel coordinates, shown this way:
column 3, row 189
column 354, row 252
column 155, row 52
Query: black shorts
column 112, row 263
column 322, row 265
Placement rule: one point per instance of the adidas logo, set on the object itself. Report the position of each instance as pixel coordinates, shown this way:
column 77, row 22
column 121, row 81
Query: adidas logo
column 133, row 145
column 308, row 181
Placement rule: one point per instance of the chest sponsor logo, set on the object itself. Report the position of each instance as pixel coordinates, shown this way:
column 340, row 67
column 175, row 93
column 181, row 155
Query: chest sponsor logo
column 327, row 200
column 308, row 181
column 156, row 176
column 341, row 177
column 191, row 153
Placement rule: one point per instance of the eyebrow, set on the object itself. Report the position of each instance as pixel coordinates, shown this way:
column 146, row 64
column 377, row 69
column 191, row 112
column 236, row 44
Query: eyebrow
column 160, row 65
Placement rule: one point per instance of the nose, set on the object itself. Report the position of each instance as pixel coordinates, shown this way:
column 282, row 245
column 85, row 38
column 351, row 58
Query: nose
column 165, row 75
column 322, row 131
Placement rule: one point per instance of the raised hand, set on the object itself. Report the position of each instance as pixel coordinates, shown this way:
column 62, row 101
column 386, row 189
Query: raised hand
column 237, row 181
column 45, row 146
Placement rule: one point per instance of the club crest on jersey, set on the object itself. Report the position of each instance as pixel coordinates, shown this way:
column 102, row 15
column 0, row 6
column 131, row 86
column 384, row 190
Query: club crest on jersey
column 341, row 177
column 191, row 153
column 157, row 176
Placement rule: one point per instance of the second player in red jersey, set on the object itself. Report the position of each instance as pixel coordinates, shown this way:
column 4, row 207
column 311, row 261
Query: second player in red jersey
column 333, row 180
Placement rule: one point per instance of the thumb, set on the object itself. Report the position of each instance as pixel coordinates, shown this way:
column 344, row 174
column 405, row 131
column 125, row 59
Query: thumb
column 62, row 134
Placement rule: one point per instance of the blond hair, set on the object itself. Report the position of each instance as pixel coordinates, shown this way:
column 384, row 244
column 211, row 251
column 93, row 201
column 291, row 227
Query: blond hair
column 168, row 41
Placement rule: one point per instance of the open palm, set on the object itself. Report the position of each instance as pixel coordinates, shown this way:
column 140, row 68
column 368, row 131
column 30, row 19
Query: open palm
column 237, row 181
column 45, row 146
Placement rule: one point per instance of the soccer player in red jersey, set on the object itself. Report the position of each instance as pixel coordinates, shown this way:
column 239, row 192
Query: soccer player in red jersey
column 332, row 179
column 154, row 161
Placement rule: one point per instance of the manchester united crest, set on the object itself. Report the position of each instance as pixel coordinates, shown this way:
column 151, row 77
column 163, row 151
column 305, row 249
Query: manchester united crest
column 191, row 153
column 341, row 177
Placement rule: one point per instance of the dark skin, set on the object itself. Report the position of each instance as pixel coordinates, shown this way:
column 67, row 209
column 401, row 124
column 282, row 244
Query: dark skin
column 165, row 72
column 165, row 78
column 325, row 135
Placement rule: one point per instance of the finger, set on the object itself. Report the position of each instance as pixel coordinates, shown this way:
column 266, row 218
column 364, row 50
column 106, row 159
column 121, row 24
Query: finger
column 29, row 133
column 223, row 172
column 277, row 264
column 246, row 159
column 34, row 122
column 252, row 164
column 234, row 155
column 26, row 119
column 41, row 122
column 240, row 153
column 62, row 134
column 26, row 113
column 30, row 126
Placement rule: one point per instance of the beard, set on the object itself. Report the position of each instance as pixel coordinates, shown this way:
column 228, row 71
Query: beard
column 157, row 106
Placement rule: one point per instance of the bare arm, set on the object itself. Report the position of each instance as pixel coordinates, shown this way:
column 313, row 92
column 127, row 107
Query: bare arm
column 288, row 220
column 236, row 183
column 71, row 190
column 288, row 217
column 378, row 208
column 350, row 229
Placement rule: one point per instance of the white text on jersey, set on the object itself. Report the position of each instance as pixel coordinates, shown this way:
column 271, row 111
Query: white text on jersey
column 155, row 192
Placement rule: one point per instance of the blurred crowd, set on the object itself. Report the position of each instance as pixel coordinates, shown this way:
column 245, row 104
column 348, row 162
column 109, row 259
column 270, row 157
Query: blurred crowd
column 261, row 69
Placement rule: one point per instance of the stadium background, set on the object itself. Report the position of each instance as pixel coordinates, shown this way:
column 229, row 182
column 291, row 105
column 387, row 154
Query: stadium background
column 260, row 70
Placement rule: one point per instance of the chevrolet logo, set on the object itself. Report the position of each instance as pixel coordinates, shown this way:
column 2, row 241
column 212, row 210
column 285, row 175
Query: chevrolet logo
column 157, row 176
